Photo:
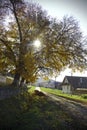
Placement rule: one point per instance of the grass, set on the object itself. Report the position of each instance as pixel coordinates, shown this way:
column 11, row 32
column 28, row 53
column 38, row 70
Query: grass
column 28, row 111
column 82, row 98
column 31, row 89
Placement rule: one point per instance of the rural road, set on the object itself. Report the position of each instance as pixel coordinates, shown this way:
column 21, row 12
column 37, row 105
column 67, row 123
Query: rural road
column 77, row 110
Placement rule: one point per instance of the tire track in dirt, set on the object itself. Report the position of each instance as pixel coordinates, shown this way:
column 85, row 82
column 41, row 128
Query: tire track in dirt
column 77, row 110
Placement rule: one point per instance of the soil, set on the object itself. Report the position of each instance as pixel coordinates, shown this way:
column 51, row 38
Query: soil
column 76, row 110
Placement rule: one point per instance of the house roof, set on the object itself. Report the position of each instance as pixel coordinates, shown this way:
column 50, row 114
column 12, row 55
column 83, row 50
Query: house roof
column 76, row 82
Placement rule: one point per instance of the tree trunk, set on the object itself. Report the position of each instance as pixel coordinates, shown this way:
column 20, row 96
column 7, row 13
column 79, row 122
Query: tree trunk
column 55, row 82
column 23, row 82
column 16, row 81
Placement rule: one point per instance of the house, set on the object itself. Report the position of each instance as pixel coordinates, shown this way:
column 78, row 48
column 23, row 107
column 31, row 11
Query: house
column 54, row 84
column 51, row 84
column 72, row 83
column 58, row 85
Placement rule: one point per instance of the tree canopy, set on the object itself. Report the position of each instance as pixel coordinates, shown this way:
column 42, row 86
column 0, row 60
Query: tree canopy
column 21, row 23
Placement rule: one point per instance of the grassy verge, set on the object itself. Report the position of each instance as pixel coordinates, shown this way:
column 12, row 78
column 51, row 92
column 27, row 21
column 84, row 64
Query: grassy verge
column 82, row 98
column 31, row 89
column 28, row 111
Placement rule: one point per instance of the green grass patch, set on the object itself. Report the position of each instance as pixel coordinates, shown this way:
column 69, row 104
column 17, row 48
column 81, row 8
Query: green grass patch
column 80, row 98
column 28, row 111
column 31, row 89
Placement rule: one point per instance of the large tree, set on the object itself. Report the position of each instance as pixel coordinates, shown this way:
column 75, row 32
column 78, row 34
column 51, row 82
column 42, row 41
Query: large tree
column 61, row 41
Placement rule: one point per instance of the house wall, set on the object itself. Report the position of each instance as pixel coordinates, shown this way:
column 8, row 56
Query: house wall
column 51, row 85
column 66, row 89
column 43, row 84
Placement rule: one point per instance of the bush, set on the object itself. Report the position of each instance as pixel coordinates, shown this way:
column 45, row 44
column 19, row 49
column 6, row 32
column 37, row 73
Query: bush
column 84, row 96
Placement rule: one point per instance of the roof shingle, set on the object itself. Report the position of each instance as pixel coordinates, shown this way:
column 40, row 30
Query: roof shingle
column 77, row 82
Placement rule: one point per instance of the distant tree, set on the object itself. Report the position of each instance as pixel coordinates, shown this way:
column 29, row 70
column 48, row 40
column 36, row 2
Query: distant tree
column 61, row 41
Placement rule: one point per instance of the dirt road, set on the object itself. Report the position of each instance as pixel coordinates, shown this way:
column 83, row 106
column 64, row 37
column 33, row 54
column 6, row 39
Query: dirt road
column 77, row 110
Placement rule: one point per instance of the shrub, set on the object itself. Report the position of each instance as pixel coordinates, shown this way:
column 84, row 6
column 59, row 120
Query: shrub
column 84, row 96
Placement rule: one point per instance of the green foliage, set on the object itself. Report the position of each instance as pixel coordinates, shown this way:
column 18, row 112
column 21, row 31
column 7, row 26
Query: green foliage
column 84, row 96
column 31, row 89
column 32, row 112
column 29, row 111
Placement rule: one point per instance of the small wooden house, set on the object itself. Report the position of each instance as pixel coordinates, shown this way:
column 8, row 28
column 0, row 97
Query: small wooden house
column 72, row 83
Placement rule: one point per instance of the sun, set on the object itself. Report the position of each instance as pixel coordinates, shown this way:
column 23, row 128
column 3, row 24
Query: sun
column 37, row 43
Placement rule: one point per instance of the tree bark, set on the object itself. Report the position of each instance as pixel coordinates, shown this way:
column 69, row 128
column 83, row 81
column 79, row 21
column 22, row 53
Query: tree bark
column 23, row 82
column 16, row 81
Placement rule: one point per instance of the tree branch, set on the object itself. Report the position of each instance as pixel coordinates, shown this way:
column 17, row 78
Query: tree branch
column 17, row 21
column 9, row 48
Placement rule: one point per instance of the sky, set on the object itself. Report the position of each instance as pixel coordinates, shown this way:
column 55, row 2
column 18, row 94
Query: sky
column 60, row 8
